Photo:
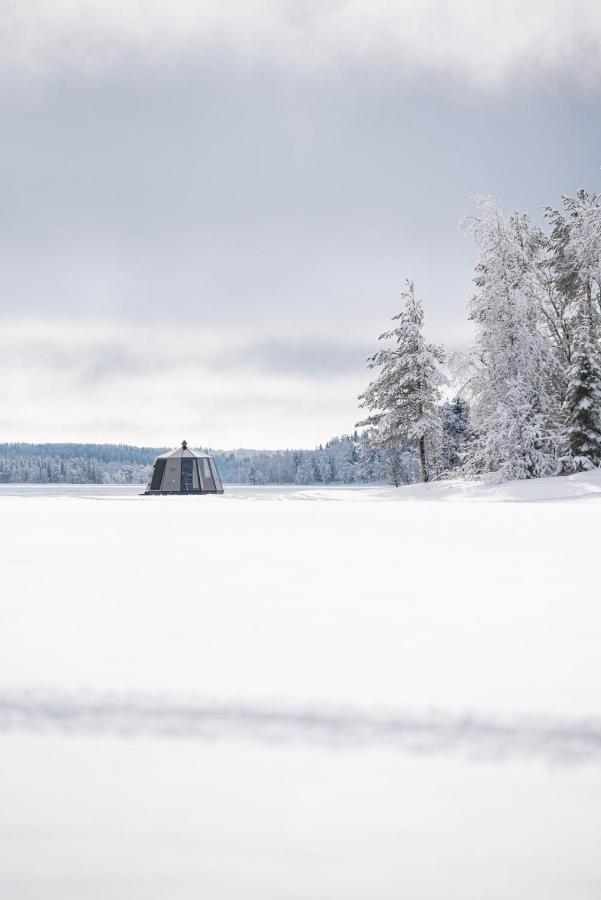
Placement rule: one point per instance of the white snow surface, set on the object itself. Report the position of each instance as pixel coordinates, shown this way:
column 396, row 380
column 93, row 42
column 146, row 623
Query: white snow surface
column 320, row 692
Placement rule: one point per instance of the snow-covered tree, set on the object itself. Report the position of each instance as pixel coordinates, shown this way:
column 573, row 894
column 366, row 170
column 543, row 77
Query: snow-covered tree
column 571, row 277
column 305, row 473
column 455, row 432
column 516, row 416
column 557, row 322
column 403, row 398
column 583, row 250
column 583, row 400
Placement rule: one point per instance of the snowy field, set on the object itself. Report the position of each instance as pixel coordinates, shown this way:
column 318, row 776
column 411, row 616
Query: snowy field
column 301, row 693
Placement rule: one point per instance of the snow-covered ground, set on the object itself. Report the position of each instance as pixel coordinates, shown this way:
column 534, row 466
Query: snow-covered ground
column 299, row 693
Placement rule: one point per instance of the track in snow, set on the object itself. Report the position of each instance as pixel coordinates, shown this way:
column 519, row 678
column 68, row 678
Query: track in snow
column 554, row 740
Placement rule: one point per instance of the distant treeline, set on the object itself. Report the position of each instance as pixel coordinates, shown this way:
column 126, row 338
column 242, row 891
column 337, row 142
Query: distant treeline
column 75, row 463
column 347, row 459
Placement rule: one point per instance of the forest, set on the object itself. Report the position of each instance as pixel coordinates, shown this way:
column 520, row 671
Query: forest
column 346, row 459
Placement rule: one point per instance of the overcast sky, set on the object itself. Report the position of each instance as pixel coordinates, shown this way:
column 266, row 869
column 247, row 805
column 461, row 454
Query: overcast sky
column 208, row 210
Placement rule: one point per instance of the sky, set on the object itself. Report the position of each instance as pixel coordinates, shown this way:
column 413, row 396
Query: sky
column 208, row 211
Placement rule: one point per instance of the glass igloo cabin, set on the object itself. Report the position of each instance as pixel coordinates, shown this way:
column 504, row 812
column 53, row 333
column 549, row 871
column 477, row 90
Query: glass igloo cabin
column 184, row 471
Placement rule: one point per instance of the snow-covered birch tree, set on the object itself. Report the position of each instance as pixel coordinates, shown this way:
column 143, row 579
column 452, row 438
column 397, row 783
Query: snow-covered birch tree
column 583, row 250
column 403, row 398
column 515, row 413
column 573, row 270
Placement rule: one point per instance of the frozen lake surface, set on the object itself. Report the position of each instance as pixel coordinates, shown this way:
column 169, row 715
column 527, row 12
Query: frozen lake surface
column 308, row 693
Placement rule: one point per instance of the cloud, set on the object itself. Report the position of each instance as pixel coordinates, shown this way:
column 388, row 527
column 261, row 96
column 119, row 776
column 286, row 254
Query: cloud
column 310, row 357
column 104, row 381
column 486, row 42
column 245, row 186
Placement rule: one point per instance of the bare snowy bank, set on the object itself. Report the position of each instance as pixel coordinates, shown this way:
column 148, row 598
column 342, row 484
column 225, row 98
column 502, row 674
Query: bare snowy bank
column 331, row 686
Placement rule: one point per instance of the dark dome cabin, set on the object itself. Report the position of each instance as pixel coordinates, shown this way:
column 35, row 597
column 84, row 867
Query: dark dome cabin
column 184, row 471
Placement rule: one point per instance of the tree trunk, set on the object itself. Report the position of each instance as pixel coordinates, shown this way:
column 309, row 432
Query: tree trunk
column 589, row 309
column 423, row 460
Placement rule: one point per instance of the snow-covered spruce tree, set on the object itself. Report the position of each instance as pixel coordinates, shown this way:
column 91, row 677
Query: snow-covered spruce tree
column 515, row 411
column 403, row 398
column 583, row 400
column 455, row 432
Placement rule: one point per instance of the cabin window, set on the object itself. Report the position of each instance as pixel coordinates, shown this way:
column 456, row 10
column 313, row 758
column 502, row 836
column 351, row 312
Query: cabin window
column 189, row 476
column 171, row 480
column 206, row 476
column 157, row 475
